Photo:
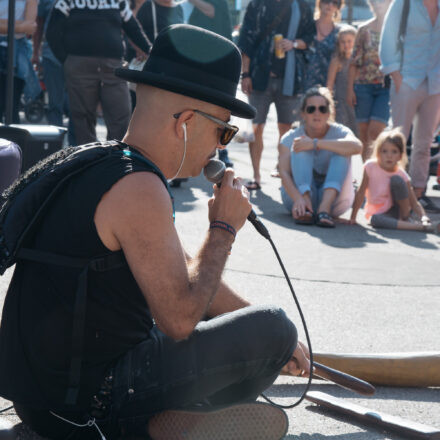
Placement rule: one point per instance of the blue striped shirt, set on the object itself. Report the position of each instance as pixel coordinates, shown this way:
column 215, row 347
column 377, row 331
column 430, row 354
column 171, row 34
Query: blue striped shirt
column 421, row 46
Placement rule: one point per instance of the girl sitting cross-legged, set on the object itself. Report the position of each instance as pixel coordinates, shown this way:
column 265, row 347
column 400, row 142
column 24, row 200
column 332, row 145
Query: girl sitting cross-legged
column 391, row 202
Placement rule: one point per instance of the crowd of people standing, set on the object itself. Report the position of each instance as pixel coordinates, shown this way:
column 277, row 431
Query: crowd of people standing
column 372, row 73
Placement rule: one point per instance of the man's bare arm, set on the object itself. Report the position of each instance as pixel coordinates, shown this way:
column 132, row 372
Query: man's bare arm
column 225, row 300
column 179, row 295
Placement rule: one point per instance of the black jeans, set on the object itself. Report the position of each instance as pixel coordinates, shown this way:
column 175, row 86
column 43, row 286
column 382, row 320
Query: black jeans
column 231, row 358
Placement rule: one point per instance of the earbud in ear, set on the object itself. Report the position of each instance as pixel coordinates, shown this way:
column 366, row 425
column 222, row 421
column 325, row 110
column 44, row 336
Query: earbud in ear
column 184, row 131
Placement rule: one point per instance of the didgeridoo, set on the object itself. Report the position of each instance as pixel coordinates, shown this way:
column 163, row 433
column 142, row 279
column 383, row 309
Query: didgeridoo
column 405, row 427
column 390, row 369
column 344, row 380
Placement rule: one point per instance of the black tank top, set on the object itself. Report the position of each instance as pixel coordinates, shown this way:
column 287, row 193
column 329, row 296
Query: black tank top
column 36, row 330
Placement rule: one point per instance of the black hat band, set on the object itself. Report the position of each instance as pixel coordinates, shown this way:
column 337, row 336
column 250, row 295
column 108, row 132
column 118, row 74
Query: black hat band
column 160, row 65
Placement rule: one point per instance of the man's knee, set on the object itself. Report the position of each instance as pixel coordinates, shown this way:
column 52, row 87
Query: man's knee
column 278, row 329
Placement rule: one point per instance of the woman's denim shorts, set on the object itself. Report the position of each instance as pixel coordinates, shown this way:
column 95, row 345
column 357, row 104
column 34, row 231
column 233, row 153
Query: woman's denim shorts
column 372, row 103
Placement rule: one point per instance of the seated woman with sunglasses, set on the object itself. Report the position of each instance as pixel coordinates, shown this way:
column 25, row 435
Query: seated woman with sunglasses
column 315, row 163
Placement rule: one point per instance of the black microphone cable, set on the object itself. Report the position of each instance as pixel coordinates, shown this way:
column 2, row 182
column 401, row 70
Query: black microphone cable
column 306, row 331
column 214, row 172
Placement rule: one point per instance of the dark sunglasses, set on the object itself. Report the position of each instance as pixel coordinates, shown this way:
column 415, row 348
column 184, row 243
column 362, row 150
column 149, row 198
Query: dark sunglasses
column 312, row 109
column 335, row 2
column 226, row 134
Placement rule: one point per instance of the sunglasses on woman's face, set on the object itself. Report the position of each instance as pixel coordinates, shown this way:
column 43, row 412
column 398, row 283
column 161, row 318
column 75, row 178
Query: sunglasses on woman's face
column 333, row 2
column 312, row 109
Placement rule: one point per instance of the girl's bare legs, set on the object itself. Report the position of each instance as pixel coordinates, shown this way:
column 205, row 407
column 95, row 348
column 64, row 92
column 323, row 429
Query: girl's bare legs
column 368, row 132
column 363, row 136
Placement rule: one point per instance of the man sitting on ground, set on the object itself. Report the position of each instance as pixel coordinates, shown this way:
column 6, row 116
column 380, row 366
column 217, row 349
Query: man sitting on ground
column 162, row 332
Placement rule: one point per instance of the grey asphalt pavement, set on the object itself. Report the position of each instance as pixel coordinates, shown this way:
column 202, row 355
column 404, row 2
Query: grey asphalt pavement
column 361, row 291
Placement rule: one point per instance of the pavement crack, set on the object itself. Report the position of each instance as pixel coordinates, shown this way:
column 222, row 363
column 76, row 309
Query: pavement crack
column 348, row 283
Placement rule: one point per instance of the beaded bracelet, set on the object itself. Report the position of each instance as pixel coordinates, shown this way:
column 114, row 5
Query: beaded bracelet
column 222, row 225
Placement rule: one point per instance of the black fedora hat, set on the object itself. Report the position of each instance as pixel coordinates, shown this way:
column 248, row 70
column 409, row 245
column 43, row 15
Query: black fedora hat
column 194, row 62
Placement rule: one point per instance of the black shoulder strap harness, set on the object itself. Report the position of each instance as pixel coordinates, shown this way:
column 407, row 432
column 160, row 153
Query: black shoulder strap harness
column 273, row 24
column 23, row 205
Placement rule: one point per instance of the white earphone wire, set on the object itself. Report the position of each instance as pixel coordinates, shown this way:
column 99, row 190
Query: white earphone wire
column 184, row 153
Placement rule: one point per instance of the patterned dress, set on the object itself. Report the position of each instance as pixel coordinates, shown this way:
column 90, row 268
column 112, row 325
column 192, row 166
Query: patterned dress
column 344, row 113
column 319, row 55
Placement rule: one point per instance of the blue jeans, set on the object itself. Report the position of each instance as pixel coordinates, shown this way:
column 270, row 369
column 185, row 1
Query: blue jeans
column 228, row 359
column 58, row 100
column 372, row 103
column 306, row 180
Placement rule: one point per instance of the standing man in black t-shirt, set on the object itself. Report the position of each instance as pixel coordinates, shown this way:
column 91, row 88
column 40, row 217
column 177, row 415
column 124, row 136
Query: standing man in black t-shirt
column 266, row 78
column 86, row 36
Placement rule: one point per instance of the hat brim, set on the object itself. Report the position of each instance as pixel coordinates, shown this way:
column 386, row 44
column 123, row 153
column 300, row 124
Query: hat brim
column 236, row 106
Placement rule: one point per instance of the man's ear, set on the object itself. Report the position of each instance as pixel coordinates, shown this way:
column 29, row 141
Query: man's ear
column 182, row 124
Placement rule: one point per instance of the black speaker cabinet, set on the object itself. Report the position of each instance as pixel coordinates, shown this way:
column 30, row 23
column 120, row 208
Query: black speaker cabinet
column 36, row 141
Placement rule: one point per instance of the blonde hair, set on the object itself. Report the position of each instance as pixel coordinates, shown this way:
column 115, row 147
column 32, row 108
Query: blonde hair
column 336, row 18
column 325, row 93
column 345, row 29
column 395, row 137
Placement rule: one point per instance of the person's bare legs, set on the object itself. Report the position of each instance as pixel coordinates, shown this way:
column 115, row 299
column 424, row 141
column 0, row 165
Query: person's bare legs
column 363, row 136
column 328, row 197
column 256, row 150
column 418, row 226
column 282, row 130
column 404, row 208
column 375, row 128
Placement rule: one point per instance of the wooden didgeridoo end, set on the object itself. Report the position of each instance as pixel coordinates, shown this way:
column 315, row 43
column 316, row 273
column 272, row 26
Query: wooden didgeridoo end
column 344, row 380
column 412, row 369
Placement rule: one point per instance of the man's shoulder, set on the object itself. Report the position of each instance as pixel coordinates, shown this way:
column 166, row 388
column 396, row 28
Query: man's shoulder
column 142, row 186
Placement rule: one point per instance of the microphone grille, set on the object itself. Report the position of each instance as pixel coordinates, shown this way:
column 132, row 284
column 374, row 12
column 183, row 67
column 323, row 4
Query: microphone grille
column 214, row 171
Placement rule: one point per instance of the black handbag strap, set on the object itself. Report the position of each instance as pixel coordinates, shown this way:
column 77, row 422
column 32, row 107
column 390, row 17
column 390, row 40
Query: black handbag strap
column 275, row 22
column 402, row 29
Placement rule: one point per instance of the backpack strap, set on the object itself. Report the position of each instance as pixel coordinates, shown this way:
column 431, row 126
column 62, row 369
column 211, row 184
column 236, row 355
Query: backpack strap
column 128, row 152
column 111, row 261
column 402, row 29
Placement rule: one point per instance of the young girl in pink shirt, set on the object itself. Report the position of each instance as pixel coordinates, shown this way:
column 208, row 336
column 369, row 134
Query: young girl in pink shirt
column 391, row 202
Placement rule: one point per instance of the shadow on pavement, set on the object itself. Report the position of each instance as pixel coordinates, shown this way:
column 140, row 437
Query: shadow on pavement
column 348, row 436
column 382, row 393
column 366, row 435
column 342, row 236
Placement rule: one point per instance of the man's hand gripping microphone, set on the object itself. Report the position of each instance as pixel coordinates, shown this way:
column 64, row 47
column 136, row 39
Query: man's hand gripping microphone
column 214, row 172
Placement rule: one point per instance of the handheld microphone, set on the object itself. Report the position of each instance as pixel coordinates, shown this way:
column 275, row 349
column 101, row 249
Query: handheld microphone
column 214, row 172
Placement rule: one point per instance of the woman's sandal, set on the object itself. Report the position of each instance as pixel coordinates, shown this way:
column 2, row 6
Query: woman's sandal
column 306, row 219
column 252, row 185
column 325, row 220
